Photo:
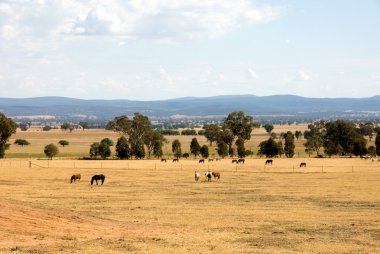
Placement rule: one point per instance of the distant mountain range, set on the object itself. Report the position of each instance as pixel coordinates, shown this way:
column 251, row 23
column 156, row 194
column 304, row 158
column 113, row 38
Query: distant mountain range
column 217, row 106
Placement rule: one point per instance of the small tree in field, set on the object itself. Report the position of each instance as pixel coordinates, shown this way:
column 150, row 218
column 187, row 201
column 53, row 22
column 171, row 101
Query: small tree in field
column 204, row 151
column 268, row 127
column 21, row 142
column 122, row 148
column 195, row 147
column 63, row 143
column 51, row 150
column 176, row 148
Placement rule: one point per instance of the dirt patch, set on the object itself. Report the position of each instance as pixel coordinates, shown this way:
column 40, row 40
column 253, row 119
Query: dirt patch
column 27, row 225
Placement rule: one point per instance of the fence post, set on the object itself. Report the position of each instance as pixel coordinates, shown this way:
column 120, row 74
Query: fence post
column 30, row 164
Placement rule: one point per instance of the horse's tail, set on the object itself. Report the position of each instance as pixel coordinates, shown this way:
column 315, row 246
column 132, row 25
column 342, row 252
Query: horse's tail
column 71, row 180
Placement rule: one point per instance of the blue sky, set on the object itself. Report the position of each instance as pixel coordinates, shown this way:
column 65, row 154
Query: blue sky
column 159, row 49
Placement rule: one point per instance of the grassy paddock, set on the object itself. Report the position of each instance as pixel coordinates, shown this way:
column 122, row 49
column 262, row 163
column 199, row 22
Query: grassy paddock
column 154, row 207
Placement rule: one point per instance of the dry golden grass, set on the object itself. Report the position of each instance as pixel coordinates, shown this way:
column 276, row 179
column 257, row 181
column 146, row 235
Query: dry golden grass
column 153, row 207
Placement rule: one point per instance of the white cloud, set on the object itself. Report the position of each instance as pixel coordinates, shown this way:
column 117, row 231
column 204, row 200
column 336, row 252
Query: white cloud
column 303, row 75
column 164, row 20
column 252, row 73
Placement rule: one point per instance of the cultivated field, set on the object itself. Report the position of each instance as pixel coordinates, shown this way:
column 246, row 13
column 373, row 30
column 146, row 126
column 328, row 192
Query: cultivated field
column 153, row 207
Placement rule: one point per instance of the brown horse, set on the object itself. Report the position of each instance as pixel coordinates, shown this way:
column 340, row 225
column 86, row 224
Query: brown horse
column 75, row 177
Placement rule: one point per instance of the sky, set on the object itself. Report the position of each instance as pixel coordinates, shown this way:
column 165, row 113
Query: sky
column 161, row 49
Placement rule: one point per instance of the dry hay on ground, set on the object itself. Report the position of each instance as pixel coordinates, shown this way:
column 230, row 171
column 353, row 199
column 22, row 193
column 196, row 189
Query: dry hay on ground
column 146, row 209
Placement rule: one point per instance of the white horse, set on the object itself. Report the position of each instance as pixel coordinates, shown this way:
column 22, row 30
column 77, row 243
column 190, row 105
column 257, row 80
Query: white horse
column 197, row 176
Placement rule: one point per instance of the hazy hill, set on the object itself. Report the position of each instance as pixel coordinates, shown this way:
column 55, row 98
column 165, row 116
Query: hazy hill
column 62, row 107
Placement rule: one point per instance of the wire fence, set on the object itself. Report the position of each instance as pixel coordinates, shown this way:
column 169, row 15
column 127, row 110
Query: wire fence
column 252, row 165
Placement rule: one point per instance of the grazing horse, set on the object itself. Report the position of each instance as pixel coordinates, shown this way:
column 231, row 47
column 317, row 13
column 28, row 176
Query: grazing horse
column 268, row 162
column 186, row 155
column 234, row 161
column 208, row 175
column 240, row 161
column 197, row 176
column 303, row 164
column 210, row 160
column 96, row 178
column 163, row 160
column 175, row 160
column 201, row 161
column 216, row 175
column 217, row 159
column 75, row 177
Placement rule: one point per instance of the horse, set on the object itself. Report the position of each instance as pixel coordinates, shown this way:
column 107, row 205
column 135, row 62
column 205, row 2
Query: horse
column 217, row 159
column 303, row 164
column 75, row 177
column 201, row 161
column 234, row 161
column 210, row 160
column 175, row 160
column 186, row 155
column 208, row 175
column 163, row 160
column 240, row 161
column 197, row 176
column 216, row 175
column 98, row 177
column 268, row 162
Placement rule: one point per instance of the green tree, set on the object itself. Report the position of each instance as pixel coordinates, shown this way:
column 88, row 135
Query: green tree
column 63, row 143
column 176, row 148
column 313, row 144
column 240, row 124
column 371, row 151
column 195, row 148
column 268, row 127
column 289, row 145
column 298, row 134
column 189, row 132
column 153, row 139
column 204, row 151
column 377, row 144
column 46, row 128
column 240, row 148
column 340, row 133
column 65, row 126
column 7, row 128
column 212, row 132
column 227, row 137
column 104, row 148
column 280, row 148
column 94, row 150
column 21, row 142
column 360, row 146
column 51, row 150
column 269, row 148
column 122, row 148
column 222, row 149
column 138, row 150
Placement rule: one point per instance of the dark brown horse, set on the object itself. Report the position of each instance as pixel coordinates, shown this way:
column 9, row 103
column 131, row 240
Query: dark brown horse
column 98, row 177
column 75, row 177
column 268, row 162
